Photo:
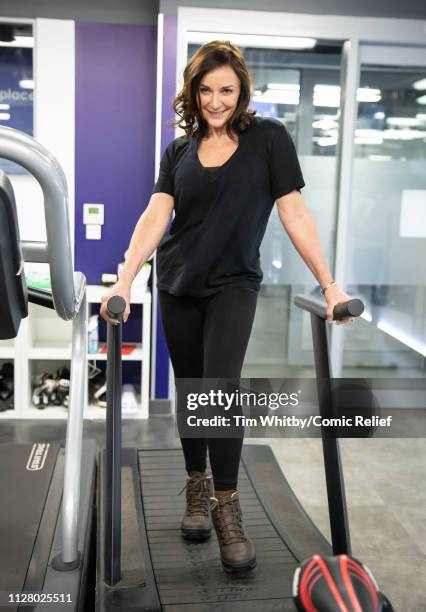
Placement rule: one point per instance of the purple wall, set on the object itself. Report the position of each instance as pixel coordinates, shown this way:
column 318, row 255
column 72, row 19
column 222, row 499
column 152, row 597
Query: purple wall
column 115, row 136
column 115, row 80
column 167, row 135
column 169, row 78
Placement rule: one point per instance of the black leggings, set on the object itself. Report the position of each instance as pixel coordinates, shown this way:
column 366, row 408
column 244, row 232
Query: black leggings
column 207, row 337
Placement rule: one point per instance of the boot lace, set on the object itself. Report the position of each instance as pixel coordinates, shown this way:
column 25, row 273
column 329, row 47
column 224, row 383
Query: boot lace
column 197, row 495
column 228, row 524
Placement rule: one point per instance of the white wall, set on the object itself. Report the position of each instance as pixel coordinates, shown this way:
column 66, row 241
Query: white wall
column 54, row 123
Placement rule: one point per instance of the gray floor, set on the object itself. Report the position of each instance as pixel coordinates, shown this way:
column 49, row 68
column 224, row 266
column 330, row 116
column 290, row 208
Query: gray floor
column 386, row 494
column 385, row 482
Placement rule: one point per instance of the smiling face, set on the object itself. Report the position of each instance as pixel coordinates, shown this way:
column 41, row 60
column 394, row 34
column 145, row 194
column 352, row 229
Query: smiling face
column 219, row 91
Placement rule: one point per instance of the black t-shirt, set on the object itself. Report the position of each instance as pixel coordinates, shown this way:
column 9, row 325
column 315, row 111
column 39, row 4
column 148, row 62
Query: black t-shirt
column 221, row 214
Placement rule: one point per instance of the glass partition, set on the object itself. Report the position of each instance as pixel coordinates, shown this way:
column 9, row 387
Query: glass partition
column 301, row 88
column 387, row 221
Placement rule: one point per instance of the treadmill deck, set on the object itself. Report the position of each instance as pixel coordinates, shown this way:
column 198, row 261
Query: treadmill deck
column 189, row 575
column 163, row 571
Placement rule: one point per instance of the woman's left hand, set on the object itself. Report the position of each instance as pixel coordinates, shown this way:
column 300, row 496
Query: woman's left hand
column 334, row 295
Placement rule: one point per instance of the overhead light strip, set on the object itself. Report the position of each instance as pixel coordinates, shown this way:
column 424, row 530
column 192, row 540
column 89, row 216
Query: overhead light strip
column 253, row 40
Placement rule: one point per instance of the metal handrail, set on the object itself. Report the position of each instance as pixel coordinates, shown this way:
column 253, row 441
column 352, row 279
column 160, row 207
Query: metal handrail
column 74, row 440
column 338, row 513
column 69, row 298
column 116, row 306
column 314, row 305
column 67, row 287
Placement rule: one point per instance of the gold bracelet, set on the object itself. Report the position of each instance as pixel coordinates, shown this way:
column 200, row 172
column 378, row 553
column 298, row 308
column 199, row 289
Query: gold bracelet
column 128, row 271
column 324, row 289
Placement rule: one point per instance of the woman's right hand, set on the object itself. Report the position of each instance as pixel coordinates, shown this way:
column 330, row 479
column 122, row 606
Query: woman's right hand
column 122, row 289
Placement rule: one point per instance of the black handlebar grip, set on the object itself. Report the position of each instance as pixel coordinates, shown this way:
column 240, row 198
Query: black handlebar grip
column 116, row 305
column 353, row 308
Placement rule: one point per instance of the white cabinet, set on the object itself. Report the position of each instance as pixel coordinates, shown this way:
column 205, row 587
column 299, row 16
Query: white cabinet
column 44, row 344
column 7, row 350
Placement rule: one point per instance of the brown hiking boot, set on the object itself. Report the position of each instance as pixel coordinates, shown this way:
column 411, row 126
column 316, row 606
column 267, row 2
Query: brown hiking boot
column 236, row 549
column 196, row 523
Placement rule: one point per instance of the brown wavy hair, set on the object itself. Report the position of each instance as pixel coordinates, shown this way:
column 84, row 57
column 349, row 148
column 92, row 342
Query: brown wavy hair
column 187, row 103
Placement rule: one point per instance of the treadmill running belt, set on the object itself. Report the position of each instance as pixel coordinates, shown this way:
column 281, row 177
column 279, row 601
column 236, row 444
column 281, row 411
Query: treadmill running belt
column 25, row 474
column 189, row 575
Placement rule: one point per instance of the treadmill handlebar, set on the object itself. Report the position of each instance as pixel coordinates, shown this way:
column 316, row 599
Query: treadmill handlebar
column 67, row 286
column 352, row 308
column 40, row 297
column 317, row 306
column 116, row 306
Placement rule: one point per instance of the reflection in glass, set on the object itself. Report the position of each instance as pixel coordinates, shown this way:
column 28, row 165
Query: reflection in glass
column 393, row 125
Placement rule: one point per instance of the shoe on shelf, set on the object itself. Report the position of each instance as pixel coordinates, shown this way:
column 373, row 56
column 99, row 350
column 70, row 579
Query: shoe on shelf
column 236, row 549
column 196, row 523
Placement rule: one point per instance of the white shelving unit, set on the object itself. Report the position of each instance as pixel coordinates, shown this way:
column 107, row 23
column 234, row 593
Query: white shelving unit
column 7, row 353
column 45, row 338
column 7, row 349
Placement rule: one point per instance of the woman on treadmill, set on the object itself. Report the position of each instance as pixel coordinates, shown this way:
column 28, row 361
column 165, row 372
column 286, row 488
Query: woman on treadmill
column 221, row 179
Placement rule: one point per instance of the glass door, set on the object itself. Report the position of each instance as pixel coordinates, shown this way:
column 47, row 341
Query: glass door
column 298, row 83
column 386, row 247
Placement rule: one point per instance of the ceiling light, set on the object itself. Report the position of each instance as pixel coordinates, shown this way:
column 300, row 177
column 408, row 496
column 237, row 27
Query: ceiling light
column 421, row 100
column 4, row 116
column 325, row 141
column 319, row 88
column 284, row 86
column 4, row 106
column 329, row 95
column 253, row 40
column 368, row 94
column 379, row 115
column 420, row 85
column 368, row 136
column 325, row 124
column 404, row 134
column 369, row 99
column 327, row 101
column 404, row 121
column 326, row 95
column 278, row 97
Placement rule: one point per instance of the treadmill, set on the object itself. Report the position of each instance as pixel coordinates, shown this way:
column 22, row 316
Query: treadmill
column 46, row 508
column 143, row 563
